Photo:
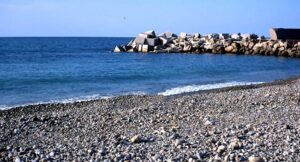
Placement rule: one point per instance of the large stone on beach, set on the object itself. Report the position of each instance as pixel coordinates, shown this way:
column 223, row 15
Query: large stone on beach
column 221, row 149
column 256, row 159
column 136, row 139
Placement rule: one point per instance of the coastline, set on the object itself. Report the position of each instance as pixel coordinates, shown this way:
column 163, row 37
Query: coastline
column 91, row 101
column 234, row 123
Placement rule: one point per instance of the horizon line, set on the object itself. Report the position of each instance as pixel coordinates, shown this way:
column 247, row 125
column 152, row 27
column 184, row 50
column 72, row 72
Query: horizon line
column 66, row 36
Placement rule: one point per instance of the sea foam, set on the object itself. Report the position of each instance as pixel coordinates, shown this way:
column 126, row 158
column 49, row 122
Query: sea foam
column 194, row 88
column 73, row 99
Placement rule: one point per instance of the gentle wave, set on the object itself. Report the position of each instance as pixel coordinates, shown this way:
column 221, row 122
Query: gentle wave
column 194, row 88
column 73, row 99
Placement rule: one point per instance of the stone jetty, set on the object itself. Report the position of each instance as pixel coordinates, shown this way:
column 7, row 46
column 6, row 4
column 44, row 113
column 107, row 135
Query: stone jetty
column 247, row 44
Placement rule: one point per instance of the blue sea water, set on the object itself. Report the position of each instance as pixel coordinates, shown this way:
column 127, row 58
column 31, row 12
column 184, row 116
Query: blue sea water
column 38, row 70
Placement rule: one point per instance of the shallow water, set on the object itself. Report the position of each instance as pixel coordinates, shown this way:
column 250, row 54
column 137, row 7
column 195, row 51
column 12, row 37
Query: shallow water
column 37, row 70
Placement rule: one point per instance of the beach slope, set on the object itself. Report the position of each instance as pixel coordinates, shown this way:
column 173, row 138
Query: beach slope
column 239, row 123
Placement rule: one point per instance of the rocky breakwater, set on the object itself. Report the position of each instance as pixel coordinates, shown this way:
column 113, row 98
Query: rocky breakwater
column 248, row 44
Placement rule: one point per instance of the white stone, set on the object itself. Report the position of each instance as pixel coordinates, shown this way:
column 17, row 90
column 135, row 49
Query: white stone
column 183, row 35
column 236, row 36
column 145, row 48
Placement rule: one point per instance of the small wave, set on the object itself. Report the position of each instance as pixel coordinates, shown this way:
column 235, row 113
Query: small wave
column 194, row 88
column 68, row 100
column 73, row 99
column 138, row 93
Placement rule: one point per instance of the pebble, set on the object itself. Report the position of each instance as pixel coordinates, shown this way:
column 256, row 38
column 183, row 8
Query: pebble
column 136, row 139
column 17, row 159
column 221, row 149
column 179, row 142
column 256, row 159
column 218, row 126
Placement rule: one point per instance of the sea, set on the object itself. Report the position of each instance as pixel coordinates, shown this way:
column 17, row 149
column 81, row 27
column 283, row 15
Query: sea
column 35, row 70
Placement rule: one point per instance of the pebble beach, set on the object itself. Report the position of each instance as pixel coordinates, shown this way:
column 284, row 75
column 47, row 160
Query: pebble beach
column 253, row 123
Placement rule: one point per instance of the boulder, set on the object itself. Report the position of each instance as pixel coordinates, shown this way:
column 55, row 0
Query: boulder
column 223, row 36
column 195, row 43
column 213, row 36
column 251, row 45
column 208, row 46
column 173, row 50
column 246, row 36
column 253, row 36
column 229, row 49
column 235, row 50
column 187, row 48
column 281, row 49
column 183, row 35
column 197, row 35
column 257, row 47
column 136, row 139
column 263, row 38
column 255, row 159
column 236, row 36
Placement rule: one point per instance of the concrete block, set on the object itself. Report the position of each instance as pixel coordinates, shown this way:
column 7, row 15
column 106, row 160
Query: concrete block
column 150, row 34
column 140, row 48
column 152, row 41
column 246, row 36
column 164, row 40
column 170, row 35
column 118, row 49
column 145, row 48
column 140, row 40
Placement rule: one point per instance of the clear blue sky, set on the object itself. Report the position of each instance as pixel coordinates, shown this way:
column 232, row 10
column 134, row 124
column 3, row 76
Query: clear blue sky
column 129, row 17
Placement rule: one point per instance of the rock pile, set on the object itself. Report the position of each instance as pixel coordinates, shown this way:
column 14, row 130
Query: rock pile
column 213, row 43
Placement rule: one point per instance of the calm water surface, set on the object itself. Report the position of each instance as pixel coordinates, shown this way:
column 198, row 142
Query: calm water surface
column 35, row 70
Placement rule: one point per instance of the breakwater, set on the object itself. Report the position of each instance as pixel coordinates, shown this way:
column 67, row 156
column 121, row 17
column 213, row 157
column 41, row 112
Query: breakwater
column 247, row 44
